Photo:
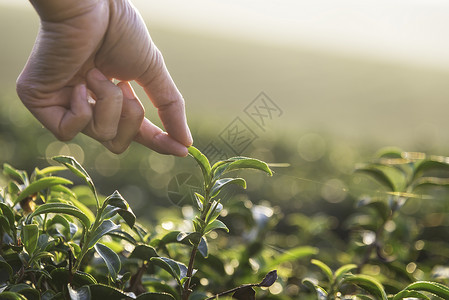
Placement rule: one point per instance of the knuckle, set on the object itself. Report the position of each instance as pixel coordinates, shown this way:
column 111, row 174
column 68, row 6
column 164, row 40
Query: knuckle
column 104, row 135
column 64, row 136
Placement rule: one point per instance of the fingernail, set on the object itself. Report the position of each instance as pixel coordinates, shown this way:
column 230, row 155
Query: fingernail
column 95, row 73
column 82, row 90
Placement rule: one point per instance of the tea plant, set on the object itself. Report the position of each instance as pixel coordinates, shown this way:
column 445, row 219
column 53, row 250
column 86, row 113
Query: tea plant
column 404, row 176
column 54, row 246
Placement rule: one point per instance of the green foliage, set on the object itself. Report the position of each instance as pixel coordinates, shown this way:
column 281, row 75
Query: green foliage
column 51, row 240
column 60, row 242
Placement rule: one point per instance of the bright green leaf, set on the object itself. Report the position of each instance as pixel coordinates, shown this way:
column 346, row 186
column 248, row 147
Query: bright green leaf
column 324, row 268
column 202, row 161
column 432, row 287
column 389, row 176
column 405, row 294
column 216, row 224
column 221, row 183
column 39, row 185
column 18, row 175
column 30, row 235
column 79, row 171
column 367, row 283
column 60, row 208
column 343, row 270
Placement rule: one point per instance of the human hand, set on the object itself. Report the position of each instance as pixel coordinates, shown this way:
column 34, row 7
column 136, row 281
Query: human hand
column 81, row 46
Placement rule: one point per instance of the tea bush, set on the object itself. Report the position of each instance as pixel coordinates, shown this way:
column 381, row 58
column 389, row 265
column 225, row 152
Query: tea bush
column 72, row 243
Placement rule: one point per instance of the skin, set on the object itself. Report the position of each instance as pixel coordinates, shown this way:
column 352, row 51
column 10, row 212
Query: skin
column 66, row 83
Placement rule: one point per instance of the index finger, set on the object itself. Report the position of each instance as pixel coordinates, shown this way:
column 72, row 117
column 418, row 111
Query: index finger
column 165, row 96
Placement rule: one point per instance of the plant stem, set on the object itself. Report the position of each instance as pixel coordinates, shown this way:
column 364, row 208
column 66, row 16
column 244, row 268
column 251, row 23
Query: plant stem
column 231, row 291
column 186, row 291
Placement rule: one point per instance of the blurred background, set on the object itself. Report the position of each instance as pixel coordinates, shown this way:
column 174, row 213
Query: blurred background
column 314, row 87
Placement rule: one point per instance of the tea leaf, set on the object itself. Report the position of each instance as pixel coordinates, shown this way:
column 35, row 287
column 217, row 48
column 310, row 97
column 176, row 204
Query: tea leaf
column 176, row 269
column 110, row 258
column 343, row 270
column 30, row 234
column 245, row 293
column 202, row 161
column 216, row 224
column 221, row 183
column 143, row 252
column 39, row 185
column 12, row 296
column 8, row 213
column 367, row 283
column 83, row 293
column 155, row 296
column 101, row 291
column 269, row 279
column 79, row 171
column 324, row 268
column 104, row 228
column 60, row 208
column 431, row 287
column 248, row 163
column 389, row 176
column 406, row 294
column 18, row 175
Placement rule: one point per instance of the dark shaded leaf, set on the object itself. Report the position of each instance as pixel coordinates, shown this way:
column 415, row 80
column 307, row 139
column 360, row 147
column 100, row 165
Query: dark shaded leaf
column 110, row 258
column 8, row 213
column 101, row 291
column 83, row 293
column 203, row 248
column 105, row 227
column 123, row 235
column 12, row 296
column 143, row 252
column 61, row 278
column 155, row 296
column 177, row 269
column 245, row 293
column 269, row 279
